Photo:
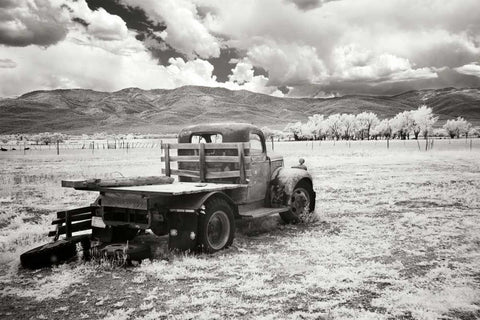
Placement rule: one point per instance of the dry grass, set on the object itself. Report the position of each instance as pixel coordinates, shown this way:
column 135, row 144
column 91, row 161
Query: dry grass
column 398, row 238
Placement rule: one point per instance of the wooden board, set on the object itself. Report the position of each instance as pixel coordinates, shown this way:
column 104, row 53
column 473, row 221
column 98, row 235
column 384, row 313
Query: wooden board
column 174, row 189
column 96, row 184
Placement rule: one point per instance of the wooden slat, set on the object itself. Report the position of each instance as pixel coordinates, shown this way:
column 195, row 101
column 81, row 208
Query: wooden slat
column 208, row 159
column 80, row 226
column 241, row 162
column 185, row 173
column 225, row 174
column 203, row 166
column 61, row 214
column 167, row 160
column 208, row 146
column 78, row 217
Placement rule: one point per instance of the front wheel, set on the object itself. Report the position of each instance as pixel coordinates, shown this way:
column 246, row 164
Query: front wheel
column 301, row 203
column 216, row 226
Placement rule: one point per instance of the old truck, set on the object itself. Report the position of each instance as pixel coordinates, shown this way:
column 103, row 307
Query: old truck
column 223, row 174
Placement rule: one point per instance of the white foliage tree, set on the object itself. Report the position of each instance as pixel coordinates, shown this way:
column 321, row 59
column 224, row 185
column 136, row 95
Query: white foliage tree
column 457, row 127
column 402, row 124
column 365, row 122
column 334, row 125
column 348, row 125
column 423, row 121
column 384, row 128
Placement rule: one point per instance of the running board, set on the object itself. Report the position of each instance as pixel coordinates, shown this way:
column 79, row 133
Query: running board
column 262, row 212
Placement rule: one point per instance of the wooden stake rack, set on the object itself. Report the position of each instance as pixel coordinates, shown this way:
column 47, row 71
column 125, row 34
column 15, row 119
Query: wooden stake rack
column 204, row 154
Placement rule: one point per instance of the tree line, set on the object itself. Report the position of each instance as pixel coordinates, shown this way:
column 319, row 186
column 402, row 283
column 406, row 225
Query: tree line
column 366, row 125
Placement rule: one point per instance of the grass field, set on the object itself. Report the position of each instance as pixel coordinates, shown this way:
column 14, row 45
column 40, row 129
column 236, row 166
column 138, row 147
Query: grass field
column 398, row 237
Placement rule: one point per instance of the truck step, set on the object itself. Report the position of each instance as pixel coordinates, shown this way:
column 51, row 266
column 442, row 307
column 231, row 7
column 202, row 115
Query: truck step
column 262, row 212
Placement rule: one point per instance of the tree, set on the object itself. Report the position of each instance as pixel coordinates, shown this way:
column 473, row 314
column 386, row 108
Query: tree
column 295, row 129
column 315, row 126
column 334, row 125
column 423, row 121
column 402, row 124
column 384, row 128
column 348, row 125
column 365, row 122
column 457, row 127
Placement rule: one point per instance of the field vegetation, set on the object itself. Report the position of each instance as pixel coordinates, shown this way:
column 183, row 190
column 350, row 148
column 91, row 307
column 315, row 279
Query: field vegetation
column 397, row 237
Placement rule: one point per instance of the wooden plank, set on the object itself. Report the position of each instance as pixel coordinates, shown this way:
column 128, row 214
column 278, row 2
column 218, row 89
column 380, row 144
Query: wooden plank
column 78, row 217
column 80, row 226
column 241, row 161
column 167, row 160
column 95, row 184
column 203, row 167
column 184, row 173
column 61, row 214
column 177, row 188
column 208, row 159
column 208, row 146
column 225, row 174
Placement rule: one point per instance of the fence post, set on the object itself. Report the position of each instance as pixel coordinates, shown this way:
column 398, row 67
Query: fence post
column 58, row 147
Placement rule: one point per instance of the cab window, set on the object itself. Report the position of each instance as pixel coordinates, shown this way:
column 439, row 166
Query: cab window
column 206, row 138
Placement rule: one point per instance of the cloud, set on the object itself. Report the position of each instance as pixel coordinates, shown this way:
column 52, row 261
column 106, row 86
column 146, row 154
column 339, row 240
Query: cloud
column 288, row 63
column 105, row 26
column 353, row 63
column 472, row 69
column 185, row 32
column 7, row 63
column 27, row 22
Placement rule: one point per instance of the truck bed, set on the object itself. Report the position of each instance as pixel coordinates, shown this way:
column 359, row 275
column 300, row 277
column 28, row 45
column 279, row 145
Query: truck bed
column 177, row 188
column 161, row 189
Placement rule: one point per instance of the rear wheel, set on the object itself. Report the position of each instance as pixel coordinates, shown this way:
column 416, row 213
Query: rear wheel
column 216, row 226
column 301, row 203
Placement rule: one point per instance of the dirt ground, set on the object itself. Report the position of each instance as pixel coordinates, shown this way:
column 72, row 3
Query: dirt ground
column 397, row 237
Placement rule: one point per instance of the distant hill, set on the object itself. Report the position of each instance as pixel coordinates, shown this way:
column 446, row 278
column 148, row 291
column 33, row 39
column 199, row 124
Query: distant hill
column 161, row 111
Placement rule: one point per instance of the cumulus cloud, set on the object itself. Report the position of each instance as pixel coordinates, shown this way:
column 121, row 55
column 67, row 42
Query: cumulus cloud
column 288, row 63
column 185, row 31
column 353, row 63
column 27, row 22
column 472, row 69
column 325, row 46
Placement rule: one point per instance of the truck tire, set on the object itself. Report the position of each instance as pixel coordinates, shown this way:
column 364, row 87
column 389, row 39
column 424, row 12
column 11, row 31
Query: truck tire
column 302, row 202
column 216, row 226
column 49, row 254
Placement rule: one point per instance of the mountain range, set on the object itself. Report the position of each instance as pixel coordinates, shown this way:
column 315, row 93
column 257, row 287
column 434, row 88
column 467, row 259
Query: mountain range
column 131, row 110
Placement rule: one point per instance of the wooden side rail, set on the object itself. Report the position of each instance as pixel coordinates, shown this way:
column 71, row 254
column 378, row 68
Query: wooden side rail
column 203, row 156
column 71, row 221
column 208, row 175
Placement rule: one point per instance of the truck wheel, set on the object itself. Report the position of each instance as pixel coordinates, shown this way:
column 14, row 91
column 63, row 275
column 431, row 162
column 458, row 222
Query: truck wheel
column 48, row 254
column 301, row 203
column 216, row 226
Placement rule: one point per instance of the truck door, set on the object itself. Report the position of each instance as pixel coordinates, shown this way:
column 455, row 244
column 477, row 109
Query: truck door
column 260, row 168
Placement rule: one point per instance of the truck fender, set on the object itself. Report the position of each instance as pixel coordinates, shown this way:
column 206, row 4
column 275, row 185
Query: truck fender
column 196, row 201
column 283, row 183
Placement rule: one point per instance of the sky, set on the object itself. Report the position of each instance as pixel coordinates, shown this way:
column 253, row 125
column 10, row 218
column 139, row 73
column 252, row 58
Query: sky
column 291, row 48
